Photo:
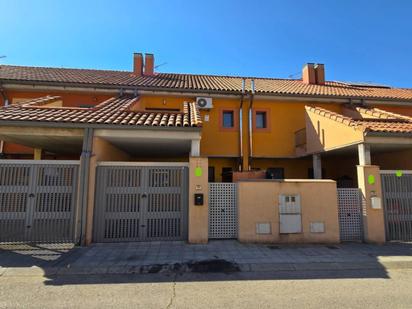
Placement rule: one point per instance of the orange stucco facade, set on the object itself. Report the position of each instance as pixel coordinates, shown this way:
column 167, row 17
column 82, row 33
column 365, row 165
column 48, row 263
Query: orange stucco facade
column 273, row 146
column 244, row 145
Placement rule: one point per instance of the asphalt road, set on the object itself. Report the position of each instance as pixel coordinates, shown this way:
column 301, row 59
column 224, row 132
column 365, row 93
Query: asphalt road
column 310, row 289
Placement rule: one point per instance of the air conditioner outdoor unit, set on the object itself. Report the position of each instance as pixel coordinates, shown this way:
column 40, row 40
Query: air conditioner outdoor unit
column 203, row 102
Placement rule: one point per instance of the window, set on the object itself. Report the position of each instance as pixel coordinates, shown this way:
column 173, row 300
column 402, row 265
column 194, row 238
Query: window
column 261, row 121
column 211, row 171
column 227, row 174
column 228, row 119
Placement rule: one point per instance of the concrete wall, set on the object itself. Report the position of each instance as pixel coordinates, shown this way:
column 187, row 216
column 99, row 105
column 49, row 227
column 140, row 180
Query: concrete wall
column 198, row 215
column 259, row 203
column 102, row 151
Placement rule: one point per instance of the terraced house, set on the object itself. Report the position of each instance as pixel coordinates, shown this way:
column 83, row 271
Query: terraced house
column 104, row 156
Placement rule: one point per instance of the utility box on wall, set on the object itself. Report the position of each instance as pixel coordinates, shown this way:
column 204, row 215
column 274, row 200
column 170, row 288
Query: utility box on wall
column 290, row 215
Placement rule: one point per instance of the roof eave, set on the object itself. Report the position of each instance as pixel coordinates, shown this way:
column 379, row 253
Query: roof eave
column 66, row 125
column 387, row 134
column 115, row 88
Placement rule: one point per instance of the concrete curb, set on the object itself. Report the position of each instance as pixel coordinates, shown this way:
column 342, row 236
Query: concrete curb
column 175, row 268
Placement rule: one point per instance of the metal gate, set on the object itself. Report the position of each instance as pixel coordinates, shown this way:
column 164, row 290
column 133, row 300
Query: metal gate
column 350, row 214
column 141, row 203
column 397, row 200
column 223, row 222
column 38, row 201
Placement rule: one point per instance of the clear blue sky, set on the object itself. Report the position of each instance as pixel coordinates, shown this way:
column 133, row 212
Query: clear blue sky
column 357, row 40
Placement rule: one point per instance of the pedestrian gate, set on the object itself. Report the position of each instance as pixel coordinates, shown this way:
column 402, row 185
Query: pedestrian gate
column 38, row 201
column 140, row 203
column 350, row 214
column 397, row 201
column 223, row 215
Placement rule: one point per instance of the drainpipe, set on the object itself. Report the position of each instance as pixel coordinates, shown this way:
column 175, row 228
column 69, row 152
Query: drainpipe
column 241, row 125
column 6, row 103
column 252, row 86
column 84, row 186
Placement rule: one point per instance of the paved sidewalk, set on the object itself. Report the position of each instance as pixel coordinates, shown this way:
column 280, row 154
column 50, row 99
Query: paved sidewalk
column 217, row 256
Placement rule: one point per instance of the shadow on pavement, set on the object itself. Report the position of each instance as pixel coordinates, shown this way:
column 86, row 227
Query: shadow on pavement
column 122, row 263
column 209, row 277
column 40, row 255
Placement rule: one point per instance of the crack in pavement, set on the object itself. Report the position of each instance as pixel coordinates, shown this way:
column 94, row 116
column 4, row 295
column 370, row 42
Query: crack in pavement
column 172, row 298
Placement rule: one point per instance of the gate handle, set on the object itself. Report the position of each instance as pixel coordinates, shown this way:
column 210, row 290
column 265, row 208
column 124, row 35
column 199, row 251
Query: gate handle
column 144, row 195
column 31, row 195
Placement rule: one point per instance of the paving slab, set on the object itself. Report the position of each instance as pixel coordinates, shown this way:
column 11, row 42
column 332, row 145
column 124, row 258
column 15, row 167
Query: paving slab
column 159, row 257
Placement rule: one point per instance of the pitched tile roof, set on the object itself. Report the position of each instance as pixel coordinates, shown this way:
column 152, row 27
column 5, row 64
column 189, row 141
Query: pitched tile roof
column 382, row 114
column 387, row 125
column 189, row 82
column 38, row 101
column 114, row 111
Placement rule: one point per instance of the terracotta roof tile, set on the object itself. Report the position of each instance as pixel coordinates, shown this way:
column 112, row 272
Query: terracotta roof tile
column 112, row 111
column 397, row 124
column 195, row 83
column 382, row 114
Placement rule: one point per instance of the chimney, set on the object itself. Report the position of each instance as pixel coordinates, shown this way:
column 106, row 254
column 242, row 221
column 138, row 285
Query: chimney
column 308, row 74
column 148, row 64
column 137, row 64
column 313, row 74
column 320, row 74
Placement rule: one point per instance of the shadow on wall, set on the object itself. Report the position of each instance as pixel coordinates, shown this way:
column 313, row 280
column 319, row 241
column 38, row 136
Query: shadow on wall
column 315, row 137
column 216, row 261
